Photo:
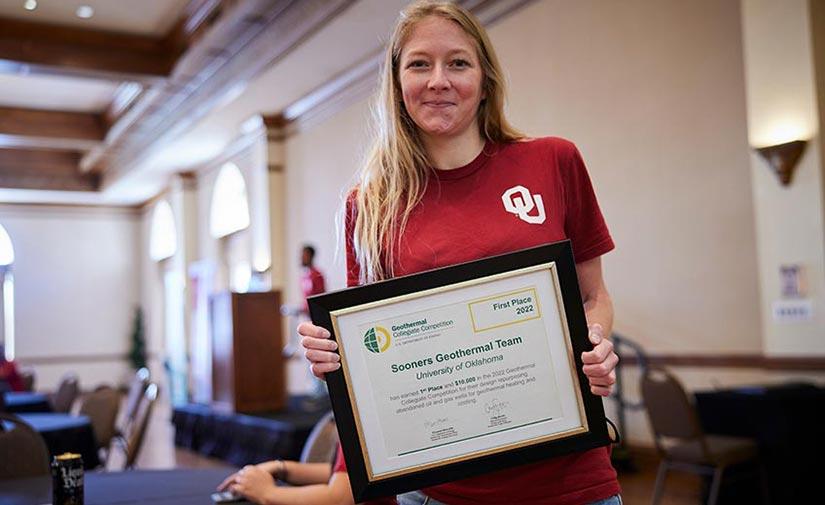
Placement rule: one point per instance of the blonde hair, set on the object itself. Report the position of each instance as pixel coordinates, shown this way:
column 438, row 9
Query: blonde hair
column 393, row 178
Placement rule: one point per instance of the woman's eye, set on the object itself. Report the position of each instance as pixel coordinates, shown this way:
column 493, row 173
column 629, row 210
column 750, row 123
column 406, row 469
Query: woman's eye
column 417, row 64
column 460, row 63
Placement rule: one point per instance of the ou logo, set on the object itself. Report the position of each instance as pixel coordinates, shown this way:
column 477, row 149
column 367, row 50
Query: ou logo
column 518, row 200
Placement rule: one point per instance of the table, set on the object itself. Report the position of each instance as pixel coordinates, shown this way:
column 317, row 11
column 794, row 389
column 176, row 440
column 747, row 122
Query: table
column 66, row 433
column 23, row 402
column 786, row 422
column 161, row 487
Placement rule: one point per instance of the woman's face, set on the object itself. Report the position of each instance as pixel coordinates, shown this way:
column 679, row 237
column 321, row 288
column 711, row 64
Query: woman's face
column 440, row 77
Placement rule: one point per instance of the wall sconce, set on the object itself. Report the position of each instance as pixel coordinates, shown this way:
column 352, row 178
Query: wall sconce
column 783, row 158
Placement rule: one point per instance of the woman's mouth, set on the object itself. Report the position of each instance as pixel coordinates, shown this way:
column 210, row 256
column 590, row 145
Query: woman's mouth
column 439, row 104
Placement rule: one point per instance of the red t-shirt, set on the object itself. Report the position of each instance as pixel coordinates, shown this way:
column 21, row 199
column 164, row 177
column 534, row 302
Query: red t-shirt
column 312, row 283
column 512, row 196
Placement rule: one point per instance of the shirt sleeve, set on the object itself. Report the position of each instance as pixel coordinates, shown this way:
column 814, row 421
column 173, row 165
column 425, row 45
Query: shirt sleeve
column 340, row 465
column 584, row 224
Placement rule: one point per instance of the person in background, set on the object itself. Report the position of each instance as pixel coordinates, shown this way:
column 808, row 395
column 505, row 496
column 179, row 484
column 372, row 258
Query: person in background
column 312, row 280
column 449, row 180
column 10, row 378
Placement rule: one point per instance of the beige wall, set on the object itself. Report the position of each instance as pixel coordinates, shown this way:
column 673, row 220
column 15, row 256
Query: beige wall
column 782, row 107
column 320, row 165
column 652, row 94
column 75, row 299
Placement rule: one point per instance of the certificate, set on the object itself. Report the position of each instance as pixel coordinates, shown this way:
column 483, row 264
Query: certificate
column 460, row 371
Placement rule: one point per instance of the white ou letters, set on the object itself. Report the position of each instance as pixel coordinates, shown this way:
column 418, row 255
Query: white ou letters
column 518, row 200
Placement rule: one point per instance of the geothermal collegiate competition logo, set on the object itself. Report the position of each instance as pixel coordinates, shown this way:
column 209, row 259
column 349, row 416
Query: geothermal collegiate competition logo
column 377, row 339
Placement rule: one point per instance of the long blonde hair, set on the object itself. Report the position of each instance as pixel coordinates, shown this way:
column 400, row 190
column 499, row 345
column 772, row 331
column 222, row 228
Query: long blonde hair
column 393, row 178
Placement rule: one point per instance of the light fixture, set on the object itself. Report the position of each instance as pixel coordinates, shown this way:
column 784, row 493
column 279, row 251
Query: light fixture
column 84, row 12
column 30, row 5
column 783, row 158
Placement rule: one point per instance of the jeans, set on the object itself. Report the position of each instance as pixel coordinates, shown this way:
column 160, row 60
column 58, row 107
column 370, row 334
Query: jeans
column 419, row 498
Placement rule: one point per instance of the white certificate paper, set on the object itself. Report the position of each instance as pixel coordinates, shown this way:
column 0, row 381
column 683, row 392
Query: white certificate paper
column 475, row 368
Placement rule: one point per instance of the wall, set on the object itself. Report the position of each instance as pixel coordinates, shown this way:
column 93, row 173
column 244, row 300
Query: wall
column 74, row 303
column 320, row 169
column 782, row 107
column 652, row 94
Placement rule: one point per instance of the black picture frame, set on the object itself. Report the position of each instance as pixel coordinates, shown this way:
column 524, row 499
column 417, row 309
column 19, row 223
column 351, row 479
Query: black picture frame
column 559, row 253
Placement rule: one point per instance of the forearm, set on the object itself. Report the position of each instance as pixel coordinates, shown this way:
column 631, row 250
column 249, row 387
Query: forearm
column 301, row 474
column 598, row 308
column 336, row 492
column 298, row 474
column 597, row 304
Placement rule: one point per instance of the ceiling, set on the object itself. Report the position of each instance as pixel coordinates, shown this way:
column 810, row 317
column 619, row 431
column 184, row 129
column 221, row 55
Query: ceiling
column 106, row 117
column 144, row 17
column 56, row 93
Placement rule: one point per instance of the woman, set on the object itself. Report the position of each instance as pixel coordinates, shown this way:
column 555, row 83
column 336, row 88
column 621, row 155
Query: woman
column 448, row 181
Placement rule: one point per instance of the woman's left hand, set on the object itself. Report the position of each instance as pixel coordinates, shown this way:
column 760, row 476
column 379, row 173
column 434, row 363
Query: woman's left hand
column 600, row 363
column 254, row 483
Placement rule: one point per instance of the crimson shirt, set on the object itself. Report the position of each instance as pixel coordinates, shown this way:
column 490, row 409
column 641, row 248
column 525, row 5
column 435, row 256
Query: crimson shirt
column 312, row 283
column 512, row 196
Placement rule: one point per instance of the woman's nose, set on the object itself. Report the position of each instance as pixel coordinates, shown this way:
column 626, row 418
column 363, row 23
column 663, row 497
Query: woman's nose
column 439, row 78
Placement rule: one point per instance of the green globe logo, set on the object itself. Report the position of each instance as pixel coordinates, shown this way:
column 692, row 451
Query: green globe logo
column 377, row 339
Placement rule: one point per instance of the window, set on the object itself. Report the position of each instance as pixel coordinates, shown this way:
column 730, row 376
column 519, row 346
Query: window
column 230, row 208
column 7, row 292
column 163, row 238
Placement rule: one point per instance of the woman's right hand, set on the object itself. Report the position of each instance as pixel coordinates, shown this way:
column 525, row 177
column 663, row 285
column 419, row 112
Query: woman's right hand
column 319, row 349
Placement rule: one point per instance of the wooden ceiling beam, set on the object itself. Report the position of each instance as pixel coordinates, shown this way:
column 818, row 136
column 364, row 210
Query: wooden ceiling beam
column 48, row 123
column 43, row 129
column 41, row 48
column 44, row 170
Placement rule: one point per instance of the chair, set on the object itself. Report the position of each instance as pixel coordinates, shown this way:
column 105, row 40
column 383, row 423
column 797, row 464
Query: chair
column 23, row 452
column 322, row 442
column 66, row 393
column 680, row 441
column 28, row 377
column 137, row 387
column 134, row 439
column 101, row 407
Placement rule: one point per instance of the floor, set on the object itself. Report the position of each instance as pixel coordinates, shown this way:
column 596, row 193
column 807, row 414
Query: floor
column 637, row 486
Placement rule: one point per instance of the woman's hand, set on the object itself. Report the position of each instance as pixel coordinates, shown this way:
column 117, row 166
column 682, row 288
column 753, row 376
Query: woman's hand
column 600, row 363
column 252, row 482
column 319, row 349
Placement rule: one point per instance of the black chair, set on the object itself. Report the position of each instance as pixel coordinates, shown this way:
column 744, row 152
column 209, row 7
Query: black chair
column 66, row 393
column 23, row 452
column 680, row 441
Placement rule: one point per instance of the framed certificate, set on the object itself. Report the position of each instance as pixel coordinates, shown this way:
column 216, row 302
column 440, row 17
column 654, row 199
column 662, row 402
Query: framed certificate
column 460, row 371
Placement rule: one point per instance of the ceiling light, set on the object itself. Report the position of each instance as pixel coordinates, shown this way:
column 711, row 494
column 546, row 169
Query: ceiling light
column 85, row 12
column 30, row 5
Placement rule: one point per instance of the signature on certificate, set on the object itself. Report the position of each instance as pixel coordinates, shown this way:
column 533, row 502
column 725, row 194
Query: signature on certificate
column 435, row 423
column 496, row 407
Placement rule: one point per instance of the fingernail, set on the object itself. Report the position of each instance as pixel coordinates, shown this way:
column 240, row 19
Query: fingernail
column 333, row 346
column 325, row 334
column 336, row 357
column 337, row 366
